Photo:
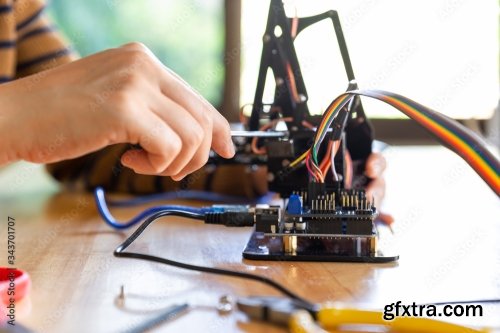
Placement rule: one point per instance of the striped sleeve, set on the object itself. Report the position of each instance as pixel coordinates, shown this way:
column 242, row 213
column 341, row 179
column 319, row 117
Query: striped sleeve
column 103, row 168
column 7, row 41
column 39, row 45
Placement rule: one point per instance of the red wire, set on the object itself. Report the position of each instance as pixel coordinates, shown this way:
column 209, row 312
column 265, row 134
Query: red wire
column 308, row 166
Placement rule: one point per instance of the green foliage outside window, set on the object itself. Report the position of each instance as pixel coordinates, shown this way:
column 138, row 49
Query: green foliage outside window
column 187, row 36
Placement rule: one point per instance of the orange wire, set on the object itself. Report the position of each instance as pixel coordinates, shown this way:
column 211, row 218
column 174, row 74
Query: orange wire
column 326, row 167
column 325, row 163
column 295, row 25
column 348, row 170
column 253, row 145
column 293, row 84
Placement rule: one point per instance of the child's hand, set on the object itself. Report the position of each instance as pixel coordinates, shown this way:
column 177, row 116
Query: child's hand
column 122, row 95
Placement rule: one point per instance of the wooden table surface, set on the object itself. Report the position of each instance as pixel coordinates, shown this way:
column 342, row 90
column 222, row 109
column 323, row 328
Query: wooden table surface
column 447, row 235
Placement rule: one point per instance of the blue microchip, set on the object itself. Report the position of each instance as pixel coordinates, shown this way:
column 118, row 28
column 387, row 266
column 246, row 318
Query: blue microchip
column 294, row 205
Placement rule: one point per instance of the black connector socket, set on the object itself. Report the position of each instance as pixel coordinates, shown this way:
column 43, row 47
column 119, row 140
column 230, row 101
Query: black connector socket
column 231, row 219
column 314, row 191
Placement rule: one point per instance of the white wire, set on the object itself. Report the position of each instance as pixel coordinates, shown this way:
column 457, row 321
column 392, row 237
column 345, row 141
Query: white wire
column 332, row 161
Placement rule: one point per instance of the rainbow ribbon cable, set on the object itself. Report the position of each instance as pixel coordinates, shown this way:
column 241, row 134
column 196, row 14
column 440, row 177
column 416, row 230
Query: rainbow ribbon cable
column 449, row 132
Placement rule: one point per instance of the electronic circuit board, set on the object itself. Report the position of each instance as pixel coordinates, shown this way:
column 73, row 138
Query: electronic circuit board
column 318, row 225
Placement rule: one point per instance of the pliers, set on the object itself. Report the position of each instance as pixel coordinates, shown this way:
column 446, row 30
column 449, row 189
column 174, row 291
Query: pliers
column 333, row 318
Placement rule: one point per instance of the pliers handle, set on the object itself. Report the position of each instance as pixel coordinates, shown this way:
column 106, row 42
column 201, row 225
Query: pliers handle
column 332, row 318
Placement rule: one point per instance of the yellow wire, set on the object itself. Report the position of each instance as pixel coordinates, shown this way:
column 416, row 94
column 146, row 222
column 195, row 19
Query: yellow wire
column 300, row 159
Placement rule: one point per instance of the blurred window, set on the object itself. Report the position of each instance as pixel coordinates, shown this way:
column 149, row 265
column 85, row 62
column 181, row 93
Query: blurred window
column 441, row 53
column 187, row 36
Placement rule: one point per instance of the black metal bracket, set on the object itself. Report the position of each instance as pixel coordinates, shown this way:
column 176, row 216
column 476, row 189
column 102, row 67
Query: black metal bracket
column 279, row 55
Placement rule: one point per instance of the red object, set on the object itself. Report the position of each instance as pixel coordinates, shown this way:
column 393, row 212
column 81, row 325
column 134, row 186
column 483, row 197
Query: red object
column 14, row 285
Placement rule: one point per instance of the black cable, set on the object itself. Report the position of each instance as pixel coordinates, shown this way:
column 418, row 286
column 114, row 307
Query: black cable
column 119, row 252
